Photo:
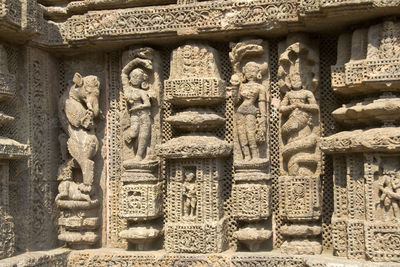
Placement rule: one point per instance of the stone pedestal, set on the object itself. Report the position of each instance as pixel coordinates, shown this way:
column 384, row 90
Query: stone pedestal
column 141, row 204
column 252, row 202
column 301, row 208
column 195, row 220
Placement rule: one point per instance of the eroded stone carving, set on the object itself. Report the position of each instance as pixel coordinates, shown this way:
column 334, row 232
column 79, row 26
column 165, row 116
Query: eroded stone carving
column 78, row 110
column 195, row 216
column 241, row 164
column 141, row 101
column 301, row 158
column 249, row 90
column 368, row 151
column 141, row 200
column 251, row 191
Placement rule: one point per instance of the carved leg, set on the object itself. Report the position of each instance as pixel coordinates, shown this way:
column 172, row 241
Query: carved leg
column 251, row 123
column 193, row 204
column 144, row 136
column 186, row 207
column 82, row 156
column 244, row 144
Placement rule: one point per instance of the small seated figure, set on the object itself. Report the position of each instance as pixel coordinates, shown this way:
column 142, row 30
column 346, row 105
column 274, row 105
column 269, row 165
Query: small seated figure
column 189, row 194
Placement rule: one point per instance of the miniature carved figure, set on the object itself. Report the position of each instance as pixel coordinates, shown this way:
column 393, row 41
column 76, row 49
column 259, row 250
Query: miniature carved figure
column 389, row 188
column 251, row 95
column 139, row 98
column 189, row 193
column 78, row 108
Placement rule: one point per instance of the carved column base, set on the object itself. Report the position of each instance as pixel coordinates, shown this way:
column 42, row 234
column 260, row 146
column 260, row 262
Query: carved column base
column 301, row 239
column 142, row 237
column 301, row 209
column 301, row 247
column 253, row 237
column 141, row 204
column 78, row 223
column 251, row 193
column 196, row 237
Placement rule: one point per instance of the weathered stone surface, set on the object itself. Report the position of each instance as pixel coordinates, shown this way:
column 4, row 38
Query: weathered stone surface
column 199, row 132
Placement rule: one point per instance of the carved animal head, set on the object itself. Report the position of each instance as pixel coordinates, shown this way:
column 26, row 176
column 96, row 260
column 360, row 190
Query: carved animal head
column 87, row 90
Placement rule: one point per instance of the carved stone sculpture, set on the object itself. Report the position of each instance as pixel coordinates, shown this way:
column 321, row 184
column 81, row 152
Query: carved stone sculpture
column 141, row 202
column 141, row 100
column 189, row 193
column 301, row 158
column 366, row 159
column 78, row 110
column 252, row 187
column 235, row 133
column 195, row 217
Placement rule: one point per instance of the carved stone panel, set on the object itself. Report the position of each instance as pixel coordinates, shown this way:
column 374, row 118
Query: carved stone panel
column 300, row 193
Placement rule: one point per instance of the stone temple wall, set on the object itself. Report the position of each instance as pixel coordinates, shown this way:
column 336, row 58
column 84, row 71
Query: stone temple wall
column 199, row 133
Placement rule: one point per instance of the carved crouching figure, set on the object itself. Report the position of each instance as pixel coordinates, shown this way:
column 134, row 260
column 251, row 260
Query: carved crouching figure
column 78, row 108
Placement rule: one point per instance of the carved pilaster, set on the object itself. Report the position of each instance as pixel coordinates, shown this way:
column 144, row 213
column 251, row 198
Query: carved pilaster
column 252, row 186
column 366, row 216
column 195, row 160
column 141, row 193
column 300, row 186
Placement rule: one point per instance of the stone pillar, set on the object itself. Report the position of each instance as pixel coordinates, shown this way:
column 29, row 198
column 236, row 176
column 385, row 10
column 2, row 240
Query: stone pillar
column 366, row 214
column 252, row 186
column 141, row 192
column 9, row 149
column 195, row 220
column 300, row 189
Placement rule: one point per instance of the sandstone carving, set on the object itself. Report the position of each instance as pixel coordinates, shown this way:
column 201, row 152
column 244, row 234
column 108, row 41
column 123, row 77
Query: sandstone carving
column 195, row 216
column 141, row 200
column 78, row 110
column 10, row 149
column 199, row 133
column 140, row 102
column 368, row 152
column 301, row 158
column 252, row 189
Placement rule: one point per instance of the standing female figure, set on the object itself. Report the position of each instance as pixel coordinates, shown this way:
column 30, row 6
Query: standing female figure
column 252, row 97
column 138, row 97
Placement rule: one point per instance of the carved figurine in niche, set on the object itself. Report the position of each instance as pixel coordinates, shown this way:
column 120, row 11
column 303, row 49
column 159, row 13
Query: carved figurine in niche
column 389, row 189
column 387, row 185
column 78, row 108
column 300, row 112
column 249, row 92
column 189, row 193
column 140, row 101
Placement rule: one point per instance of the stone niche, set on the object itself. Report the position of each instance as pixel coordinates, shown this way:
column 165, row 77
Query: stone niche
column 199, row 133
